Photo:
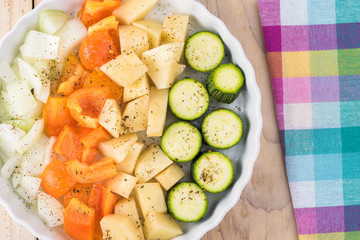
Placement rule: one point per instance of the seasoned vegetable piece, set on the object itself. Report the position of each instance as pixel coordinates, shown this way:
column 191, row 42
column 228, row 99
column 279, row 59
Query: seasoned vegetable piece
column 204, row 51
column 188, row 99
column 120, row 228
column 187, row 202
column 124, row 69
column 68, row 144
column 79, row 191
column 50, row 21
column 133, row 10
column 136, row 115
column 181, row 141
column 93, row 11
column 128, row 164
column 127, row 207
column 90, row 140
column 139, row 88
column 158, row 101
column 55, row 180
column 97, row 49
column 161, row 226
column 121, row 184
column 153, row 30
column 170, row 176
column 213, row 171
column 133, row 39
column 150, row 198
column 50, row 209
column 79, row 220
column 225, row 83
column 222, row 128
column 86, row 104
column 110, row 117
column 175, row 28
column 108, row 23
column 151, row 161
column 97, row 171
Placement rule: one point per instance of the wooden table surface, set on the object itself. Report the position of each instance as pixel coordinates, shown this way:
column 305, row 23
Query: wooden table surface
column 264, row 210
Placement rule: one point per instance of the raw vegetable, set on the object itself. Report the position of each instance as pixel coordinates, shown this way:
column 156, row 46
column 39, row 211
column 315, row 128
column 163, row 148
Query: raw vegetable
column 10, row 165
column 108, row 23
column 161, row 226
column 79, row 220
column 71, row 78
column 90, row 141
column 127, row 207
column 222, row 129
column 133, row 39
column 139, row 88
column 50, row 21
column 153, row 30
column 9, row 138
column 56, row 115
column 213, row 171
column 26, row 142
column 80, row 191
column 151, row 162
column 23, row 124
column 181, row 141
column 135, row 115
column 128, row 164
column 124, row 69
column 121, row 184
column 119, row 227
column 6, row 73
column 50, row 209
column 158, row 101
column 187, row 202
column 225, row 83
column 110, row 117
column 170, row 176
column 97, row 49
column 93, row 11
column 150, row 198
column 86, row 104
column 133, row 10
column 204, row 51
column 89, row 173
column 175, row 28
column 188, row 99
column 29, row 187
column 68, row 144
column 40, row 45
column 55, row 179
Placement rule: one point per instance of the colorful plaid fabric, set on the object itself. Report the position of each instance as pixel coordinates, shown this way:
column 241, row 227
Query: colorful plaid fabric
column 313, row 50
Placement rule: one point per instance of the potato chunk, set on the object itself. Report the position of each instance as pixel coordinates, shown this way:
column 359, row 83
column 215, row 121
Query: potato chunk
column 175, row 28
column 135, row 115
column 150, row 198
column 160, row 226
column 133, row 39
column 139, row 88
column 153, row 30
column 119, row 227
column 133, row 10
column 158, row 101
column 128, row 164
column 170, row 176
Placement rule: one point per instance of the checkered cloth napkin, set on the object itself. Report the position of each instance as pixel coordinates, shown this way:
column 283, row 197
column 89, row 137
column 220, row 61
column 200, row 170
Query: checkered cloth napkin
column 313, row 51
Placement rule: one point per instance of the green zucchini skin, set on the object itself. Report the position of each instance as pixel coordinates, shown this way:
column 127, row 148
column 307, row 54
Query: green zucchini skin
column 222, row 129
column 213, row 171
column 188, row 99
column 215, row 78
column 181, row 141
column 198, row 53
column 187, row 202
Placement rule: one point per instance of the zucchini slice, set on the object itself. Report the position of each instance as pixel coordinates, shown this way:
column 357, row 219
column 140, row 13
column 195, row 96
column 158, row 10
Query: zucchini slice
column 181, row 141
column 222, row 128
column 188, row 99
column 225, row 82
column 204, row 51
column 187, row 202
column 213, row 171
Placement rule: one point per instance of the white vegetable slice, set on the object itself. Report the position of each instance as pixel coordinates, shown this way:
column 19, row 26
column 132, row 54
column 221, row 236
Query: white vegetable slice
column 6, row 73
column 9, row 138
column 40, row 45
column 21, row 103
column 9, row 167
column 49, row 152
column 31, row 137
column 50, row 209
column 4, row 113
column 71, row 35
column 50, row 21
column 29, row 186
column 16, row 178
column 110, row 117
column 29, row 74
column 33, row 160
column 23, row 124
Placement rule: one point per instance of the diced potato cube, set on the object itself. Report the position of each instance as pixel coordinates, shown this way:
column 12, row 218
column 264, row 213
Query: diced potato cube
column 119, row 227
column 160, row 226
column 118, row 148
column 150, row 198
column 133, row 10
column 135, row 115
column 128, row 164
column 125, row 69
column 121, row 184
column 110, row 117
column 175, row 28
column 133, row 39
column 158, row 100
column 165, row 53
column 127, row 207
column 170, row 176
column 153, row 30
column 151, row 162
column 139, row 88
